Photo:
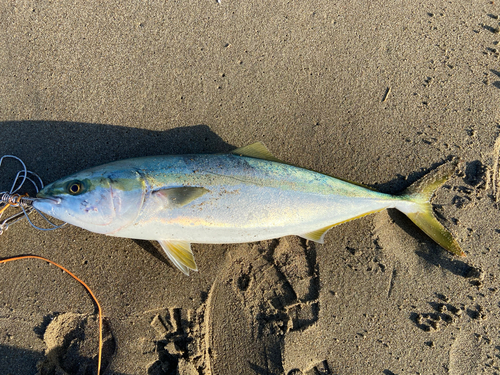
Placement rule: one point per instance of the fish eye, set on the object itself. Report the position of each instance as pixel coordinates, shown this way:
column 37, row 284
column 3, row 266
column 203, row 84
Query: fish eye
column 75, row 187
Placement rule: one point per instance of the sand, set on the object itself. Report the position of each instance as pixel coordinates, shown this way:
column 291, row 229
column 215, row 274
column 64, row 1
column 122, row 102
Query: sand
column 378, row 92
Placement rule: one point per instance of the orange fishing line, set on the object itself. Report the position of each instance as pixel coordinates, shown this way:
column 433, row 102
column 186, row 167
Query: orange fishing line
column 81, row 282
column 3, row 209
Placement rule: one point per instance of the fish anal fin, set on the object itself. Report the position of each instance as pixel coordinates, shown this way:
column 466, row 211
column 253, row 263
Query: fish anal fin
column 179, row 252
column 179, row 196
column 256, row 150
column 318, row 235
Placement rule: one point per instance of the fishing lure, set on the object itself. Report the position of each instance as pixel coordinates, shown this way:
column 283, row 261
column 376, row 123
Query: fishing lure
column 245, row 196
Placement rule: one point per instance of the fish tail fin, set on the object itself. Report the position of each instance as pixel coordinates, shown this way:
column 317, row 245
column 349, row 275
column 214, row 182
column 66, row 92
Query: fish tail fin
column 420, row 193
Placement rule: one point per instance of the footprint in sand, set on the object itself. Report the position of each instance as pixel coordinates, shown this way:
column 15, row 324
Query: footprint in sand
column 71, row 341
column 264, row 291
column 179, row 347
column 465, row 355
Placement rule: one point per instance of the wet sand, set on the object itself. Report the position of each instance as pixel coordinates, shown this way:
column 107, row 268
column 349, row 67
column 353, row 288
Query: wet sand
column 371, row 91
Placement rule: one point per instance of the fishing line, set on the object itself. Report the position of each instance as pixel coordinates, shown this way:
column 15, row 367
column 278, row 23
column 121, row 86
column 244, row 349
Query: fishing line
column 11, row 198
column 81, row 282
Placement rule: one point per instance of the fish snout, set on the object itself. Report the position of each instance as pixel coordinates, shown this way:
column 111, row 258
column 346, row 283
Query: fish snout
column 53, row 200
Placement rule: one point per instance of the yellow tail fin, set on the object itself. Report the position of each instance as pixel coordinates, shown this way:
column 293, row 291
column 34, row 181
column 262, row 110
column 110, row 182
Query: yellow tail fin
column 421, row 193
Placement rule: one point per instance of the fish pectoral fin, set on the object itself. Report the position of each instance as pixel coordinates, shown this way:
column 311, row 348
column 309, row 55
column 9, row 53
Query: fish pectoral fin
column 256, row 150
column 179, row 252
column 317, row 235
column 179, row 196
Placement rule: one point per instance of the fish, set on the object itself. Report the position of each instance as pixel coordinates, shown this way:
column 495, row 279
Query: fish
column 246, row 195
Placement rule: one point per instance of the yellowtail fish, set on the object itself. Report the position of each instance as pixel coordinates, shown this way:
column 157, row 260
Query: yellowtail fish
column 245, row 196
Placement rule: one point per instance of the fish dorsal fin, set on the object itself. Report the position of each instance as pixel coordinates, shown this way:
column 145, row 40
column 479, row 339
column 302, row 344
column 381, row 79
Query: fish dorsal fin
column 317, row 235
column 179, row 252
column 179, row 196
column 257, row 150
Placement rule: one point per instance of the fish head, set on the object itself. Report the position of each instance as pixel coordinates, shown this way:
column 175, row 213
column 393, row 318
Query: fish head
column 101, row 200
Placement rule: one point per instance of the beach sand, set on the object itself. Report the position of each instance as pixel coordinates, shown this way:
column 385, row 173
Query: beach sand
column 377, row 92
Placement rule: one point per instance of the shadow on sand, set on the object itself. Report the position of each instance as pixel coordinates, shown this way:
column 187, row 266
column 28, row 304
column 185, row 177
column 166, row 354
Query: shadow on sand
column 55, row 149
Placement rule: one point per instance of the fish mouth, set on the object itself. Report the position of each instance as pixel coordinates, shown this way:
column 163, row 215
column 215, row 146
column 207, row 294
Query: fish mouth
column 54, row 200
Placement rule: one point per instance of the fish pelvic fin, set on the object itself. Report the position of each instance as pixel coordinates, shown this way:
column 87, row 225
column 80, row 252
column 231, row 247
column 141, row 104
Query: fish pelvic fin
column 421, row 212
column 180, row 254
